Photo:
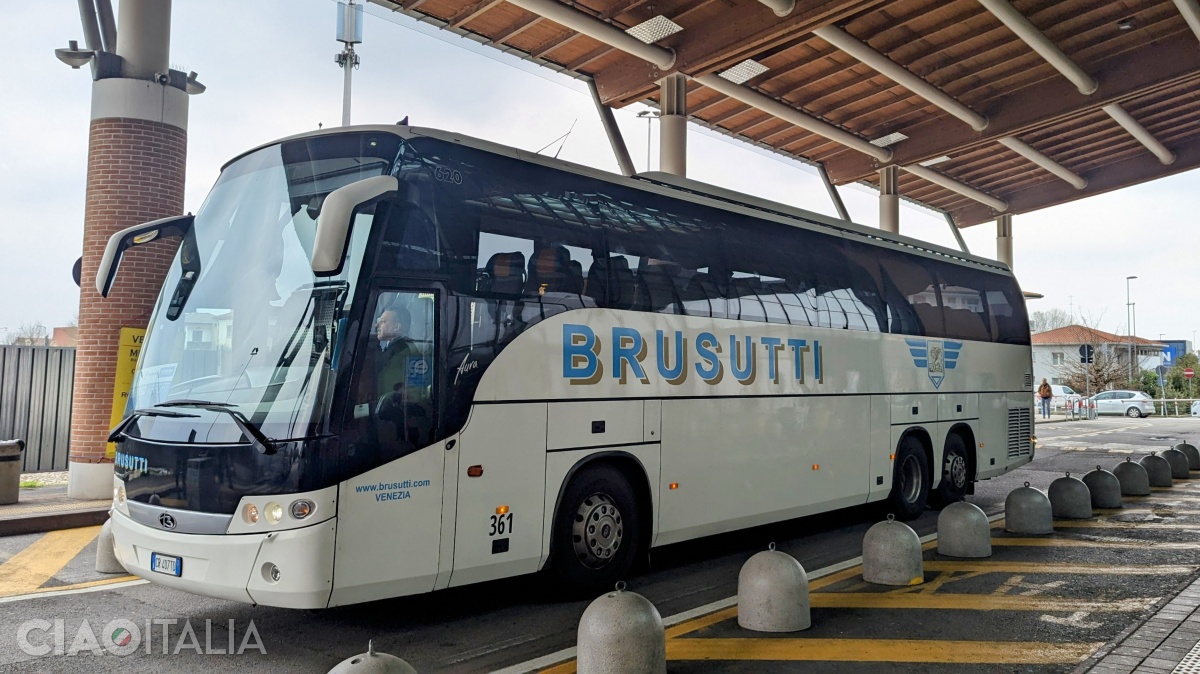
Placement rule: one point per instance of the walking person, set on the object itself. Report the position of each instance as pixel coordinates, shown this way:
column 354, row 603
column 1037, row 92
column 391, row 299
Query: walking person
column 1044, row 396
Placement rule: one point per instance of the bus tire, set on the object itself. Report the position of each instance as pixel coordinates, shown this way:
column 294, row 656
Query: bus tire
column 910, row 481
column 597, row 531
column 956, row 472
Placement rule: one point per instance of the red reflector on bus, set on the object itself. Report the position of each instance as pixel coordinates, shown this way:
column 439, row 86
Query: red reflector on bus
column 816, row 466
column 475, row 471
column 673, row 485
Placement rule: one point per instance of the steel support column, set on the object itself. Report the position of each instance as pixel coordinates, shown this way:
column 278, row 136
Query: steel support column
column 1004, row 250
column 889, row 200
column 834, row 196
column 672, row 126
column 615, row 139
column 962, row 244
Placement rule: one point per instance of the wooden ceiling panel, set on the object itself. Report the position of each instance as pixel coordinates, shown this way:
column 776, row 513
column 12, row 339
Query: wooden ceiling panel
column 1152, row 68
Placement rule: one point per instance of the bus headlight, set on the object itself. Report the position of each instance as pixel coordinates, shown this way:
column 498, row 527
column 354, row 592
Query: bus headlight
column 302, row 508
column 273, row 512
column 250, row 513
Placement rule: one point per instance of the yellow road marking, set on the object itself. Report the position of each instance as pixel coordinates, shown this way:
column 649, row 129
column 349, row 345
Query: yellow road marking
column 76, row 586
column 701, row 622
column 32, row 567
column 974, row 602
column 877, row 650
column 1110, row 524
column 1161, row 500
column 1077, row 543
column 1039, row 567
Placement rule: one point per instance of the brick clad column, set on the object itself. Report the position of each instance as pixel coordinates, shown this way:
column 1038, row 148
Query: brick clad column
column 136, row 156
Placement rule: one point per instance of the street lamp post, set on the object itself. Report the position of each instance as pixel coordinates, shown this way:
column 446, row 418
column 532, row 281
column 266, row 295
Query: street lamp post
column 649, row 115
column 1129, row 324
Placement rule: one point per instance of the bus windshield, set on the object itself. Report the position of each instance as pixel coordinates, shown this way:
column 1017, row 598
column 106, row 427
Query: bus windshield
column 241, row 320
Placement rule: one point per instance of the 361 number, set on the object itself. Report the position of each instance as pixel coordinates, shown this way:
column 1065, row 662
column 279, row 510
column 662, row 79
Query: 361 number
column 501, row 524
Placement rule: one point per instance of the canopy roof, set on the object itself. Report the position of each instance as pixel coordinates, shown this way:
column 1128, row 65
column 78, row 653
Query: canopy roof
column 1140, row 54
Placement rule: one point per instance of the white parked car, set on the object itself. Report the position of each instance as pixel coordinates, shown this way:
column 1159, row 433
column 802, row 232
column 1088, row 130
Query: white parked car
column 1130, row 403
column 1196, row 408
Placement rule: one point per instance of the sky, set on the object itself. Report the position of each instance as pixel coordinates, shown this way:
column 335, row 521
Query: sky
column 270, row 72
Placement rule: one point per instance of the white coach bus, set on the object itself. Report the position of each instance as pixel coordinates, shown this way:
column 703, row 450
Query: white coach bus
column 390, row 360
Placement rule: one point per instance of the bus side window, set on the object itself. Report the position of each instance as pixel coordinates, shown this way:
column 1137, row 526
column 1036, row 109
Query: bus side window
column 744, row 303
column 911, row 297
column 962, row 305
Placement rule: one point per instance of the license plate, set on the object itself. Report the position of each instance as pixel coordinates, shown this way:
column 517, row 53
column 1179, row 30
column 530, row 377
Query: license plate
column 172, row 566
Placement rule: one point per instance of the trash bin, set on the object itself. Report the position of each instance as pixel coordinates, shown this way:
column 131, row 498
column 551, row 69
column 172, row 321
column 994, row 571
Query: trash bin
column 10, row 470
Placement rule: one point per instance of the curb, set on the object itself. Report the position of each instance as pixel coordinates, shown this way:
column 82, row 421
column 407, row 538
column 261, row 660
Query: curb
column 37, row 524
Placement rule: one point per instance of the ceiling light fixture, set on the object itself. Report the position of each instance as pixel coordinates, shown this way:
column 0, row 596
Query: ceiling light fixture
column 744, row 71
column 654, row 29
column 890, row 139
column 936, row 160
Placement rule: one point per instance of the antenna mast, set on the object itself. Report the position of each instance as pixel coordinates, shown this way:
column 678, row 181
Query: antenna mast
column 349, row 33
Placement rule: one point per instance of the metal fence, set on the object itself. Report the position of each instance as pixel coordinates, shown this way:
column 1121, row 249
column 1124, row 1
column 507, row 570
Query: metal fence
column 1174, row 407
column 36, row 385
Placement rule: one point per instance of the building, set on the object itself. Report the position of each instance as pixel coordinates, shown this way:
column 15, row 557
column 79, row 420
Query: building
column 1056, row 351
column 65, row 336
column 1174, row 349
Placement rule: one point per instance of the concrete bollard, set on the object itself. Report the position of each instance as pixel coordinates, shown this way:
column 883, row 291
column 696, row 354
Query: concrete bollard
column 1028, row 511
column 964, row 531
column 1133, row 478
column 1104, row 487
column 621, row 632
column 372, row 662
column 106, row 553
column 1158, row 470
column 1193, row 454
column 773, row 593
column 1179, row 463
column 1070, row 498
column 892, row 554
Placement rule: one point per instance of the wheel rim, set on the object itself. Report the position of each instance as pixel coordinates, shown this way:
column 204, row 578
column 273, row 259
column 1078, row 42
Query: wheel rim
column 956, row 469
column 910, row 479
column 1131, row 412
column 597, row 531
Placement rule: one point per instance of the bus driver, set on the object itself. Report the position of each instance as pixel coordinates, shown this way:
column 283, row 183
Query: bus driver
column 399, row 387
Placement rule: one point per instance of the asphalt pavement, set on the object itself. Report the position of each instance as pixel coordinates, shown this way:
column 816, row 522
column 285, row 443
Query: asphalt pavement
column 1095, row 580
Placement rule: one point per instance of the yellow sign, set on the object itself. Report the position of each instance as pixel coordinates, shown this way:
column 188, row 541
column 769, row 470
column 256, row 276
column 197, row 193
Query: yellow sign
column 127, row 358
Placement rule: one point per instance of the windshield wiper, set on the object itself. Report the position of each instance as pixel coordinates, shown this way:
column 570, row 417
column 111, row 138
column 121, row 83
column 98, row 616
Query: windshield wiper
column 261, row 442
column 118, row 433
column 193, row 403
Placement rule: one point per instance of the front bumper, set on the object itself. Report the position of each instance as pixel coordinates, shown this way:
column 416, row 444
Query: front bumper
column 235, row 566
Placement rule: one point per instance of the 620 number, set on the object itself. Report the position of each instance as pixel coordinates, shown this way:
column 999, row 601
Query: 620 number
column 501, row 524
column 447, row 175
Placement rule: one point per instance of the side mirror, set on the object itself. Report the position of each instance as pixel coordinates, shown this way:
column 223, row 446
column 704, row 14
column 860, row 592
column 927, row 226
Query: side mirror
column 106, row 273
column 333, row 224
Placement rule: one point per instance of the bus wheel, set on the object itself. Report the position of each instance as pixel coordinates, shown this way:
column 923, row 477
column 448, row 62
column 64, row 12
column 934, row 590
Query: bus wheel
column 955, row 472
column 596, row 532
column 910, row 483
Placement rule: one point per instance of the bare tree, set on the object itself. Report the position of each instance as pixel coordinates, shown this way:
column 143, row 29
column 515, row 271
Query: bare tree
column 30, row 334
column 1104, row 372
column 1051, row 319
